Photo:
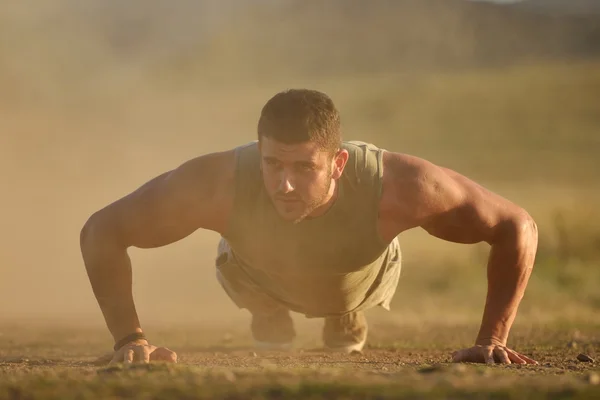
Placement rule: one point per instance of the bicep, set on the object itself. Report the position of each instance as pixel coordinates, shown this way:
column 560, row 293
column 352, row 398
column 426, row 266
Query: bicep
column 172, row 205
column 445, row 203
column 464, row 211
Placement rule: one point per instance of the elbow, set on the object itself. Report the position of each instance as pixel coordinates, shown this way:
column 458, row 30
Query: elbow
column 97, row 234
column 517, row 240
column 84, row 234
column 89, row 231
column 526, row 240
column 527, row 228
column 520, row 228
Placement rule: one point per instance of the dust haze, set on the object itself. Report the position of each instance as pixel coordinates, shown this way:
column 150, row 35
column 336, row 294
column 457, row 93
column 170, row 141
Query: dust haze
column 96, row 98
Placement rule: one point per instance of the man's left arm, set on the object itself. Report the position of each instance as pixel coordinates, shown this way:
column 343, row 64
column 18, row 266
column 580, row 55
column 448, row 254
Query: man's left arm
column 454, row 208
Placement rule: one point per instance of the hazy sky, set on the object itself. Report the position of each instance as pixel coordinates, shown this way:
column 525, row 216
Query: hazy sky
column 500, row 1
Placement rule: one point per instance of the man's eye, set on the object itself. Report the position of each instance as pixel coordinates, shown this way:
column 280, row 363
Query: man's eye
column 305, row 167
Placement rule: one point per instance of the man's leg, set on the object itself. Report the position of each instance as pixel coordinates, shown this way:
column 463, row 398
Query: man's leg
column 272, row 326
column 348, row 333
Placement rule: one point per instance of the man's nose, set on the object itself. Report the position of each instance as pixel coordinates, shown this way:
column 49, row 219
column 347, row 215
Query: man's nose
column 285, row 183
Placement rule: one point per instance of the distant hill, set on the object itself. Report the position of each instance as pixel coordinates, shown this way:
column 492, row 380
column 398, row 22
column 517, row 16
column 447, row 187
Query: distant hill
column 405, row 34
column 268, row 37
column 573, row 7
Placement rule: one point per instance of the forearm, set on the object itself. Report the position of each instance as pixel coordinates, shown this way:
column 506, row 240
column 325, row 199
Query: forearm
column 509, row 268
column 109, row 270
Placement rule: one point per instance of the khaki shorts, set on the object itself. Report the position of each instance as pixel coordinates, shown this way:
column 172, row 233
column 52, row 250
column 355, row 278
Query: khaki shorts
column 246, row 294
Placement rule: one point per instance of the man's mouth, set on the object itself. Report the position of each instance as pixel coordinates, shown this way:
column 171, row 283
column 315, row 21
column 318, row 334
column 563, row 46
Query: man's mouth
column 288, row 200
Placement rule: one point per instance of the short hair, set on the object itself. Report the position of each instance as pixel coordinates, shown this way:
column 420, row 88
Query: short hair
column 301, row 115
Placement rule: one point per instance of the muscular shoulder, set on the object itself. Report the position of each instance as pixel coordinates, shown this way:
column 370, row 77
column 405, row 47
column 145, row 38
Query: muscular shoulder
column 196, row 194
column 413, row 187
column 207, row 175
column 417, row 192
column 206, row 186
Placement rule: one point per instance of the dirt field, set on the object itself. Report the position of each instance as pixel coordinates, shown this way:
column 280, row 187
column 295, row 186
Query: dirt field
column 399, row 361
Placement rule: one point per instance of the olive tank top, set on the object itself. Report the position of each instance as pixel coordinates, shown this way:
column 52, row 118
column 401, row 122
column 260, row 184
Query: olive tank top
column 323, row 266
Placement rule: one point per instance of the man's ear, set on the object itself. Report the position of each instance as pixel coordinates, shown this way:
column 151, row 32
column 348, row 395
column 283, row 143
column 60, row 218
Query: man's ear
column 339, row 163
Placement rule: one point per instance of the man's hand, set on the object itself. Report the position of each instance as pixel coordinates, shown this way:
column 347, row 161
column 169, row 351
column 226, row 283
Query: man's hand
column 491, row 354
column 142, row 352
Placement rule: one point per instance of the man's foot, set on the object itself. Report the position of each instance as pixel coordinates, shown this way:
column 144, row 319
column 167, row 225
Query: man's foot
column 273, row 331
column 347, row 333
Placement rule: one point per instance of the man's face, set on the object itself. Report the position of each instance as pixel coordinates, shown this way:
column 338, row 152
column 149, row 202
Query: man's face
column 298, row 177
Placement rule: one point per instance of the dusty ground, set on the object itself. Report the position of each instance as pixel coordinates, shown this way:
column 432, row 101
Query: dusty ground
column 400, row 361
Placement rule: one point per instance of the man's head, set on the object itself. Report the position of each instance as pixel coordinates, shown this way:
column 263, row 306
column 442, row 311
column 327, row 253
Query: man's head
column 300, row 141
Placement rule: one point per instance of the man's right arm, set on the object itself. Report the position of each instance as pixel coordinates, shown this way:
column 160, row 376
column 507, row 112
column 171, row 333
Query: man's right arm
column 197, row 194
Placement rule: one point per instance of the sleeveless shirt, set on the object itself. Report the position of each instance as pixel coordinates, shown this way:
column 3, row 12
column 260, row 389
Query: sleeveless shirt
column 329, row 265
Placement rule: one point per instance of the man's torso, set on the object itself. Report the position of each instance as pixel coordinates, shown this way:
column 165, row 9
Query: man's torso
column 328, row 265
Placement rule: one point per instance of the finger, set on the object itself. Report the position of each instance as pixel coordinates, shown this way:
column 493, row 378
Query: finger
column 163, row 354
column 128, row 359
column 459, row 356
column 502, row 355
column 146, row 354
column 139, row 353
column 525, row 359
column 529, row 360
column 488, row 355
column 473, row 354
column 515, row 357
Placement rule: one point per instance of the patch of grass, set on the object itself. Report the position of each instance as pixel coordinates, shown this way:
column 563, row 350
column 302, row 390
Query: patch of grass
column 184, row 382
